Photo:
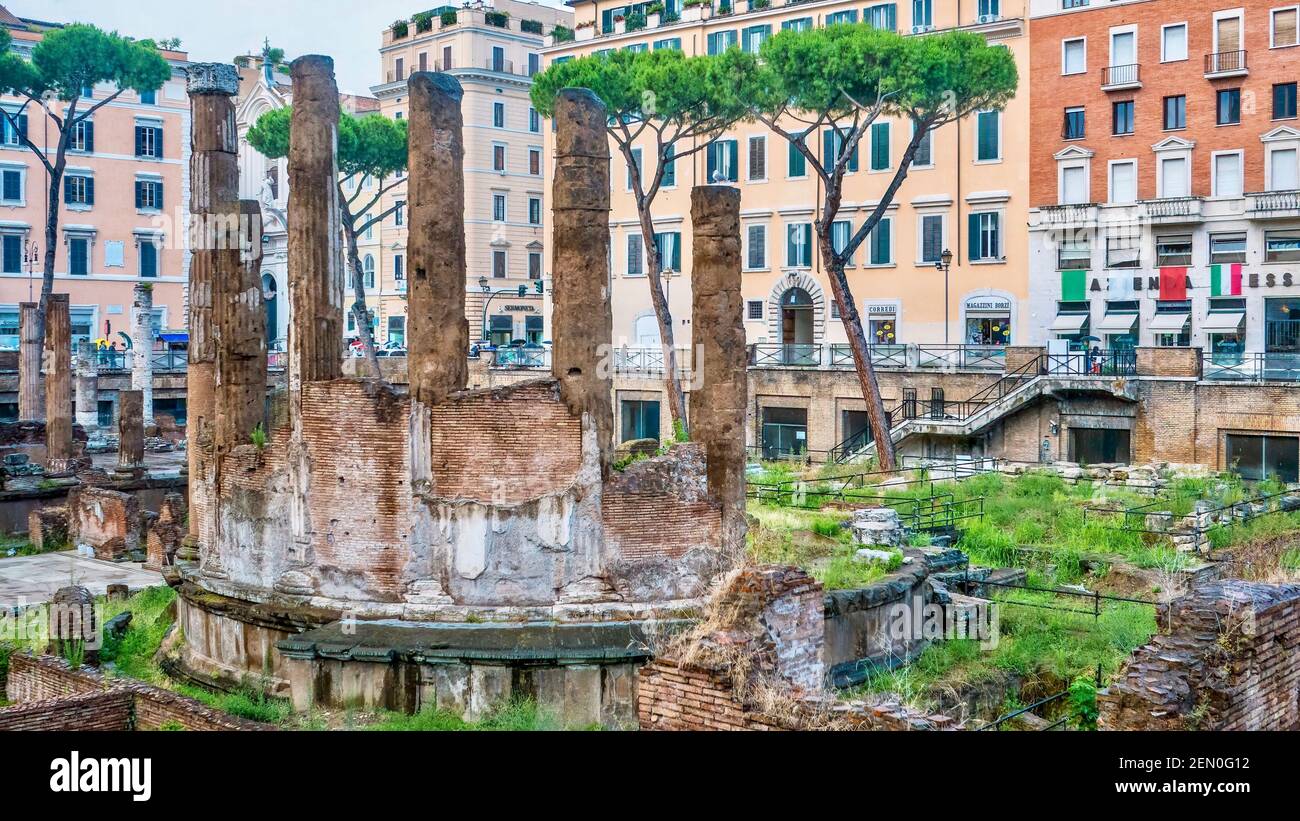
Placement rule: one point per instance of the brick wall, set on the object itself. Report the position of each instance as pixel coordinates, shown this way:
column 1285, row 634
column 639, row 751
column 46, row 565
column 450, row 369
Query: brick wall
column 658, row 507
column 505, row 445
column 107, row 520
column 99, row 710
column 48, row 686
column 1052, row 92
column 674, row 697
column 1227, row 658
column 1169, row 362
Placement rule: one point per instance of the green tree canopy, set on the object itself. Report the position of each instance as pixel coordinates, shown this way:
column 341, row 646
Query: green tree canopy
column 67, row 60
column 370, row 145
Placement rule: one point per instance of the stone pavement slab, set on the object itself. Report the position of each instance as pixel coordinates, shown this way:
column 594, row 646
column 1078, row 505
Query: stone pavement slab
column 27, row 580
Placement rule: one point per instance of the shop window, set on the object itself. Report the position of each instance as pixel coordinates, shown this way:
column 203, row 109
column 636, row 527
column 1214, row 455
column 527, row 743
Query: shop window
column 785, row 432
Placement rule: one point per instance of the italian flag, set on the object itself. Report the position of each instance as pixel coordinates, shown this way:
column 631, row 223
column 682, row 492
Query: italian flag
column 1225, row 280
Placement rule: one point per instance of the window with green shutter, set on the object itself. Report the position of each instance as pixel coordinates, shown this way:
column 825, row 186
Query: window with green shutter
column 670, row 168
column 798, row 245
column 840, row 233
column 880, row 240
column 985, row 236
column 723, row 156
column 669, row 247
column 798, row 164
column 879, row 146
column 989, row 147
column 832, row 145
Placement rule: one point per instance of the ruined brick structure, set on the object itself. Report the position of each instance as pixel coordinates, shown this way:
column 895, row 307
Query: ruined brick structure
column 1227, row 658
column 757, row 663
column 473, row 514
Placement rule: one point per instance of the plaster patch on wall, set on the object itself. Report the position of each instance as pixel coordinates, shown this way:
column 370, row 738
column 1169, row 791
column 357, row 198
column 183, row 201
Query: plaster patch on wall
column 470, row 545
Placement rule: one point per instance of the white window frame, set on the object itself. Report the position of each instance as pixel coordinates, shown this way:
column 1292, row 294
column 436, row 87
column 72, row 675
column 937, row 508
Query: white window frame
column 21, row 169
column 1064, row 45
column 1001, row 220
column 975, row 122
column 505, row 206
column 154, row 180
column 1269, row 151
column 1160, row 172
column 498, row 105
column 762, row 310
column 541, row 212
column 1214, row 172
column 920, row 235
column 785, row 245
column 1110, row 181
column 1272, row 38
column 541, row 169
column 1121, row 30
column 505, row 157
column 1228, row 14
column 1165, row 58
column 627, row 240
column 1061, row 168
column 77, row 206
column 505, row 263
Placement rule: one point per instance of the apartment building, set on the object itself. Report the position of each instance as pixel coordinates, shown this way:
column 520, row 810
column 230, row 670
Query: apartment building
column 1165, row 202
column 265, row 87
column 123, row 209
column 493, row 49
column 966, row 195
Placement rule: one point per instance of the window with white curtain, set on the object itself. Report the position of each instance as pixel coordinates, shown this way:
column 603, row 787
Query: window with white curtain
column 1284, row 174
column 1227, row 175
column 1173, row 177
column 1123, row 182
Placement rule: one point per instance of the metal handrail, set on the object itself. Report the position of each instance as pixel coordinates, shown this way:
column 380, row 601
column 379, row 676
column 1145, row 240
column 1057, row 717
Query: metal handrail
column 1121, row 75
column 1251, row 367
column 1222, row 61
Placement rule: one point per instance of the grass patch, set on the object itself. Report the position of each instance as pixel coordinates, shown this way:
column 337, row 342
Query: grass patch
column 132, row 655
column 518, row 715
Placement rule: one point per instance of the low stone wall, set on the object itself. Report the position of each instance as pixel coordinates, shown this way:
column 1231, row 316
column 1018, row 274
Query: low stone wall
column 109, row 710
column 82, row 699
column 675, row 697
column 1227, row 658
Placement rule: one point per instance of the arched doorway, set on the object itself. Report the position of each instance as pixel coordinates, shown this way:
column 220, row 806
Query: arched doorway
column 269, row 300
column 797, row 322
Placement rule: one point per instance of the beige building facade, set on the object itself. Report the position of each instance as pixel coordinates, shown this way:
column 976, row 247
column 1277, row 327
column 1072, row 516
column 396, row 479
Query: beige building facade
column 493, row 49
column 123, row 209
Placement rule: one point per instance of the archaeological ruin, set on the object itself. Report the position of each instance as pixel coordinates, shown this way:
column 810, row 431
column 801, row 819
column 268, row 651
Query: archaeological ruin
column 390, row 548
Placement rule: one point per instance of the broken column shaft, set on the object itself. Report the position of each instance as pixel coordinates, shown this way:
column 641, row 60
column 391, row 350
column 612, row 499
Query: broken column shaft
column 56, row 367
column 31, row 393
column 315, row 252
column 87, row 387
column 719, row 393
column 581, row 313
column 214, row 209
column 142, row 338
column 130, row 430
column 240, row 323
column 439, row 334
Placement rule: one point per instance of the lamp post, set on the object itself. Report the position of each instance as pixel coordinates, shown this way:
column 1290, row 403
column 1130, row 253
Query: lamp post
column 944, row 263
column 31, row 253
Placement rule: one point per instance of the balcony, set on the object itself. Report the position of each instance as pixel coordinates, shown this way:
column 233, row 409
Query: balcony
column 1273, row 204
column 1171, row 210
column 1066, row 216
column 1121, row 78
column 1223, row 64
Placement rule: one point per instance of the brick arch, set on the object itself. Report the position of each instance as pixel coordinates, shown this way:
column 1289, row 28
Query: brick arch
column 814, row 289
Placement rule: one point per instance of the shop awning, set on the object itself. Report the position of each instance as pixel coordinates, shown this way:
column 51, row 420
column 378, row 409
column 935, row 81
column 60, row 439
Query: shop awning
column 174, row 336
column 1117, row 323
column 1222, row 322
column 1068, row 323
column 1169, row 322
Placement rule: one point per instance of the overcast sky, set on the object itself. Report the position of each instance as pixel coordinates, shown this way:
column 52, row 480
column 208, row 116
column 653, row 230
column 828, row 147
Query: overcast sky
column 217, row 30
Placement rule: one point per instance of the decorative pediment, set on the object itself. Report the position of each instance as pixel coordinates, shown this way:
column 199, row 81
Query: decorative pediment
column 1074, row 152
column 1282, row 133
column 534, row 246
column 1174, row 144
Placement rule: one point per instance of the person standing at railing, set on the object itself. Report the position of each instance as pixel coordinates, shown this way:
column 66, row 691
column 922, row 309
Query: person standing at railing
column 1094, row 360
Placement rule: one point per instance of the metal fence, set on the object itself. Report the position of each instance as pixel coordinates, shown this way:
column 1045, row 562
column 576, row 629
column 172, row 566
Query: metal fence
column 1251, row 367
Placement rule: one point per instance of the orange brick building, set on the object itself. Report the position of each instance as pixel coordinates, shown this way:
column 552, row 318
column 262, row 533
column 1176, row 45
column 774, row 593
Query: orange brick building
column 1164, row 183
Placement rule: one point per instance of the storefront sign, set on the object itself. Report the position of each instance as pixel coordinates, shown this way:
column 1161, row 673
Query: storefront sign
column 988, row 304
column 1152, row 283
column 520, row 308
column 882, row 310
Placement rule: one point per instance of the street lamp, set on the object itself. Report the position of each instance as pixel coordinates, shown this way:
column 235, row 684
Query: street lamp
column 943, row 264
column 31, row 252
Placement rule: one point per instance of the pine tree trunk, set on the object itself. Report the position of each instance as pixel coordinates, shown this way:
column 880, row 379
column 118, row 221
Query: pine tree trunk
column 359, row 312
column 672, row 384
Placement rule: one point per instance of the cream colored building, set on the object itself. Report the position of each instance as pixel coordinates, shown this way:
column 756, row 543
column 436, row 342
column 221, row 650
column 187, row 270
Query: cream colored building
column 971, row 194
column 493, row 49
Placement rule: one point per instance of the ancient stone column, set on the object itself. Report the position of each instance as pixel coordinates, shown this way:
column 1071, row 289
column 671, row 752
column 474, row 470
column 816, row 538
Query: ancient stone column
column 87, row 387
column 31, row 393
column 315, row 249
column 719, row 394
column 130, row 431
column 580, row 315
column 56, row 367
column 214, row 218
column 438, row 338
column 240, row 322
column 142, row 338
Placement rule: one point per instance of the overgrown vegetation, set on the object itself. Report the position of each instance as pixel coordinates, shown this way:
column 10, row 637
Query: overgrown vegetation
column 513, row 716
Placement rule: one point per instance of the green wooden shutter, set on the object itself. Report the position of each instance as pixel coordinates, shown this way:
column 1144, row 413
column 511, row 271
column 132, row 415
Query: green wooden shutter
column 733, row 152
column 988, row 136
column 879, row 146
column 973, row 237
column 797, row 166
column 670, row 167
column 880, row 251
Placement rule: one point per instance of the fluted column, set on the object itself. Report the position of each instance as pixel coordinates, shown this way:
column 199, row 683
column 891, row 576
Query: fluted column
column 240, row 323
column 56, row 367
column 31, row 391
column 142, row 338
column 87, row 387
